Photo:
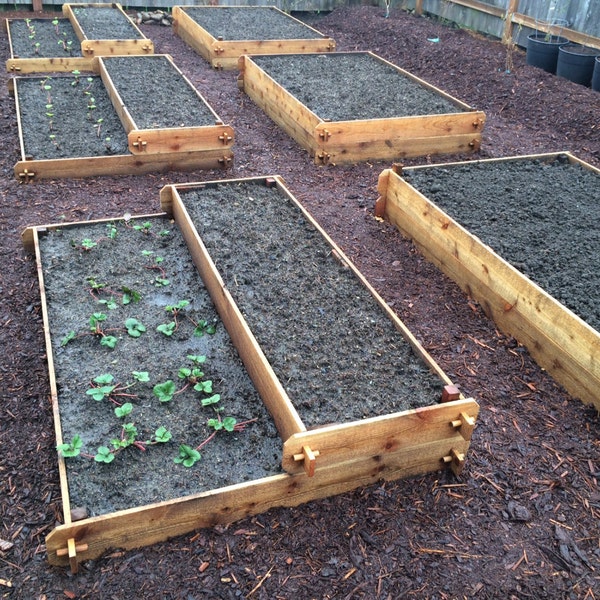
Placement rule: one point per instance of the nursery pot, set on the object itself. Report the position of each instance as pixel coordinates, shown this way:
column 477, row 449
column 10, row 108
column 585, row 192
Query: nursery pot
column 576, row 63
column 596, row 75
column 542, row 50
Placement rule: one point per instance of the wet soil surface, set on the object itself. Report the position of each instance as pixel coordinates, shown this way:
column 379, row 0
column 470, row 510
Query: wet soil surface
column 522, row 520
column 44, row 38
column 337, row 354
column 68, row 117
column 135, row 270
column 376, row 90
column 156, row 94
column 514, row 207
column 105, row 23
column 254, row 23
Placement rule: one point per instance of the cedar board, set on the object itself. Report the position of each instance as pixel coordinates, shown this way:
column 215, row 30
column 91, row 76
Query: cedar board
column 224, row 54
column 160, row 150
column 172, row 139
column 343, row 142
column 350, row 455
column 91, row 48
column 560, row 342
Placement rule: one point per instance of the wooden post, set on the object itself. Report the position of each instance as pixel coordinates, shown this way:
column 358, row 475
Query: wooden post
column 37, row 5
column 419, row 7
column 513, row 7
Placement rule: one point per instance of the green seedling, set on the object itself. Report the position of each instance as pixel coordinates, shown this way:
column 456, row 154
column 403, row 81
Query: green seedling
column 103, row 386
column 144, row 227
column 167, row 329
column 130, row 295
column 204, row 327
column 188, row 456
column 134, row 327
column 72, row 448
column 123, row 410
column 227, row 424
column 104, row 455
column 214, row 399
column 110, row 304
column 165, row 391
column 87, row 244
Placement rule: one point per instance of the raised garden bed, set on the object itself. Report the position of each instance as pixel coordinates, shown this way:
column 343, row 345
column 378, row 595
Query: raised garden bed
column 161, row 111
column 380, row 419
column 44, row 45
column 221, row 34
column 105, row 29
column 348, row 107
column 65, row 44
column 75, row 126
column 521, row 236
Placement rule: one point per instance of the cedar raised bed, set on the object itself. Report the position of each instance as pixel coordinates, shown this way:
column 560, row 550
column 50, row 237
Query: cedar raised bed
column 551, row 238
column 328, row 459
column 184, row 132
column 221, row 34
column 318, row 99
column 119, row 36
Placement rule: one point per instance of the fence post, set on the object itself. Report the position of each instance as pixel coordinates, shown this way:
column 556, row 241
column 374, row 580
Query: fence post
column 513, row 7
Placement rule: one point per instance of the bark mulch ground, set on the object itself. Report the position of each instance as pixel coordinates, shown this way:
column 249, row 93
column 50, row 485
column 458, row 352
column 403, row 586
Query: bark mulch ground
column 523, row 519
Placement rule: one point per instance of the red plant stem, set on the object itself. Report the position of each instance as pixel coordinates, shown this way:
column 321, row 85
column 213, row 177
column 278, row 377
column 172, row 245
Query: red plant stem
column 210, row 437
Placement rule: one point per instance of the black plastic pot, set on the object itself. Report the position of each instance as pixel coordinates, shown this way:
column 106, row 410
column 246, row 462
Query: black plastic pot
column 576, row 63
column 596, row 75
column 542, row 50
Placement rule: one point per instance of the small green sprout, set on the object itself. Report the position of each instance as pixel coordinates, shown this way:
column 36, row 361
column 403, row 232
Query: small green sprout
column 134, row 327
column 144, row 227
column 188, row 456
column 164, row 391
column 130, row 295
column 228, row 424
column 203, row 327
column 88, row 244
column 104, row 455
column 69, row 337
column 72, row 448
column 167, row 329
column 141, row 376
column 174, row 309
column 214, row 399
column 123, row 410
column 162, row 435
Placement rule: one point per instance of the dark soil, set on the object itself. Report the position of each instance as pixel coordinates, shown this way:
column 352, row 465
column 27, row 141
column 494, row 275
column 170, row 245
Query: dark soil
column 523, row 519
column 377, row 90
column 68, row 116
column 40, row 38
column 514, row 208
column 253, row 23
column 137, row 477
column 156, row 94
column 336, row 353
column 105, row 23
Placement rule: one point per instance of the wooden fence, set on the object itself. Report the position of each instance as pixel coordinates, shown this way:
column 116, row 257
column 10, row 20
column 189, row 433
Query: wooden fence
column 510, row 20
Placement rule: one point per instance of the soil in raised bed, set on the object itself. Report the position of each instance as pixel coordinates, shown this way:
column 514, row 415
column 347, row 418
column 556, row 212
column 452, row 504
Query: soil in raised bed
column 40, row 38
column 159, row 96
column 136, row 477
column 70, row 116
column 349, row 87
column 105, row 23
column 542, row 216
column 335, row 351
column 532, row 471
column 256, row 23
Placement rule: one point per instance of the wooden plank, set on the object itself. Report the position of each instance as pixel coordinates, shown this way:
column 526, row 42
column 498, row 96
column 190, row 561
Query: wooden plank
column 561, row 342
column 192, row 34
column 44, row 65
column 115, row 98
column 124, row 164
column 270, row 389
column 180, row 139
column 281, row 106
column 394, row 149
column 400, row 433
column 62, row 469
column 224, row 54
column 116, row 47
column 158, row 522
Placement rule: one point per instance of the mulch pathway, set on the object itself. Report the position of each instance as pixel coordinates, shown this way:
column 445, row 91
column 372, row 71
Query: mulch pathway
column 523, row 519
